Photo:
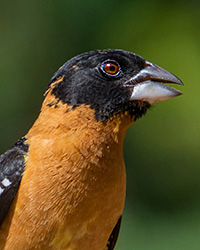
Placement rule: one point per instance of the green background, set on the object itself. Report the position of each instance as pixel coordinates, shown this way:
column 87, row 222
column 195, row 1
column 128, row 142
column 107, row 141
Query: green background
column 161, row 149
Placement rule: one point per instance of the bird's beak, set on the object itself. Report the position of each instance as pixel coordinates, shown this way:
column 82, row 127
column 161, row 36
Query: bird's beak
column 146, row 85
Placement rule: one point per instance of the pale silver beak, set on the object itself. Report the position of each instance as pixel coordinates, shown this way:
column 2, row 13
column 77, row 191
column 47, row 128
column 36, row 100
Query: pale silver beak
column 146, row 85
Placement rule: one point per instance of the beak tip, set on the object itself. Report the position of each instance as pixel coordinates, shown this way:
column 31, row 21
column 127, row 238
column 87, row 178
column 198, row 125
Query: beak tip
column 179, row 81
column 179, row 93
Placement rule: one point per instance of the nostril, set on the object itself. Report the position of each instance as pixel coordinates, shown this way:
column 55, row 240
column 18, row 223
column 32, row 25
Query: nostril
column 148, row 64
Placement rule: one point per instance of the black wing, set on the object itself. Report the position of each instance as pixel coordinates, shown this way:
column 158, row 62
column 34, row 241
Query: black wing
column 114, row 235
column 11, row 170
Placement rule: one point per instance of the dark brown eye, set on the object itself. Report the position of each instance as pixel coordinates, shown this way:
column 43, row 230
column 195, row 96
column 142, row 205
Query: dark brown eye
column 111, row 68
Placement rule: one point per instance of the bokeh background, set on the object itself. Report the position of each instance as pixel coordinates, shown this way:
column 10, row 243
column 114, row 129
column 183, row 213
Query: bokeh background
column 162, row 150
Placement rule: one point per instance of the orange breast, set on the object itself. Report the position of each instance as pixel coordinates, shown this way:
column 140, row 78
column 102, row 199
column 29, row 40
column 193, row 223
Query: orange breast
column 73, row 188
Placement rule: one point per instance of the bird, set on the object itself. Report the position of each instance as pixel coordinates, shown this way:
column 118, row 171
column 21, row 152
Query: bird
column 63, row 184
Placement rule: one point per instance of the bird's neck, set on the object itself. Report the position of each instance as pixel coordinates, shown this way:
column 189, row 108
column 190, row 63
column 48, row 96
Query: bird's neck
column 79, row 125
column 56, row 117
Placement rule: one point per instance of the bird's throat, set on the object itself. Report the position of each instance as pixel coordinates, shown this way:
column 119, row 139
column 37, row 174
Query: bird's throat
column 80, row 125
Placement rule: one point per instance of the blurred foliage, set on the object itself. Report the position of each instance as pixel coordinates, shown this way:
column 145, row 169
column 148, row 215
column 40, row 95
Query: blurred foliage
column 161, row 149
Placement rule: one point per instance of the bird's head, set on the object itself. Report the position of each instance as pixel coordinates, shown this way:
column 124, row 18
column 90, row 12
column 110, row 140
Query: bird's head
column 112, row 82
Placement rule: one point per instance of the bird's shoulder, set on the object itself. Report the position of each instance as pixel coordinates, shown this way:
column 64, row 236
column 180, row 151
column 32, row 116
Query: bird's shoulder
column 12, row 164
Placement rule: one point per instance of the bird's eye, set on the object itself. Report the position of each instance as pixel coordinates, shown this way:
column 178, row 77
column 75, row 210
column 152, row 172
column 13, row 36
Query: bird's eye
column 111, row 68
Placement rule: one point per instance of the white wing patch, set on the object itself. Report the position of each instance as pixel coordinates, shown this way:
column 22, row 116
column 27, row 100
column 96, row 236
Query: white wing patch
column 5, row 183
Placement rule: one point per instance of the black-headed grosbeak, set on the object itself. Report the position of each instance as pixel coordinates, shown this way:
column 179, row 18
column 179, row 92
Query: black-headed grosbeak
column 63, row 185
